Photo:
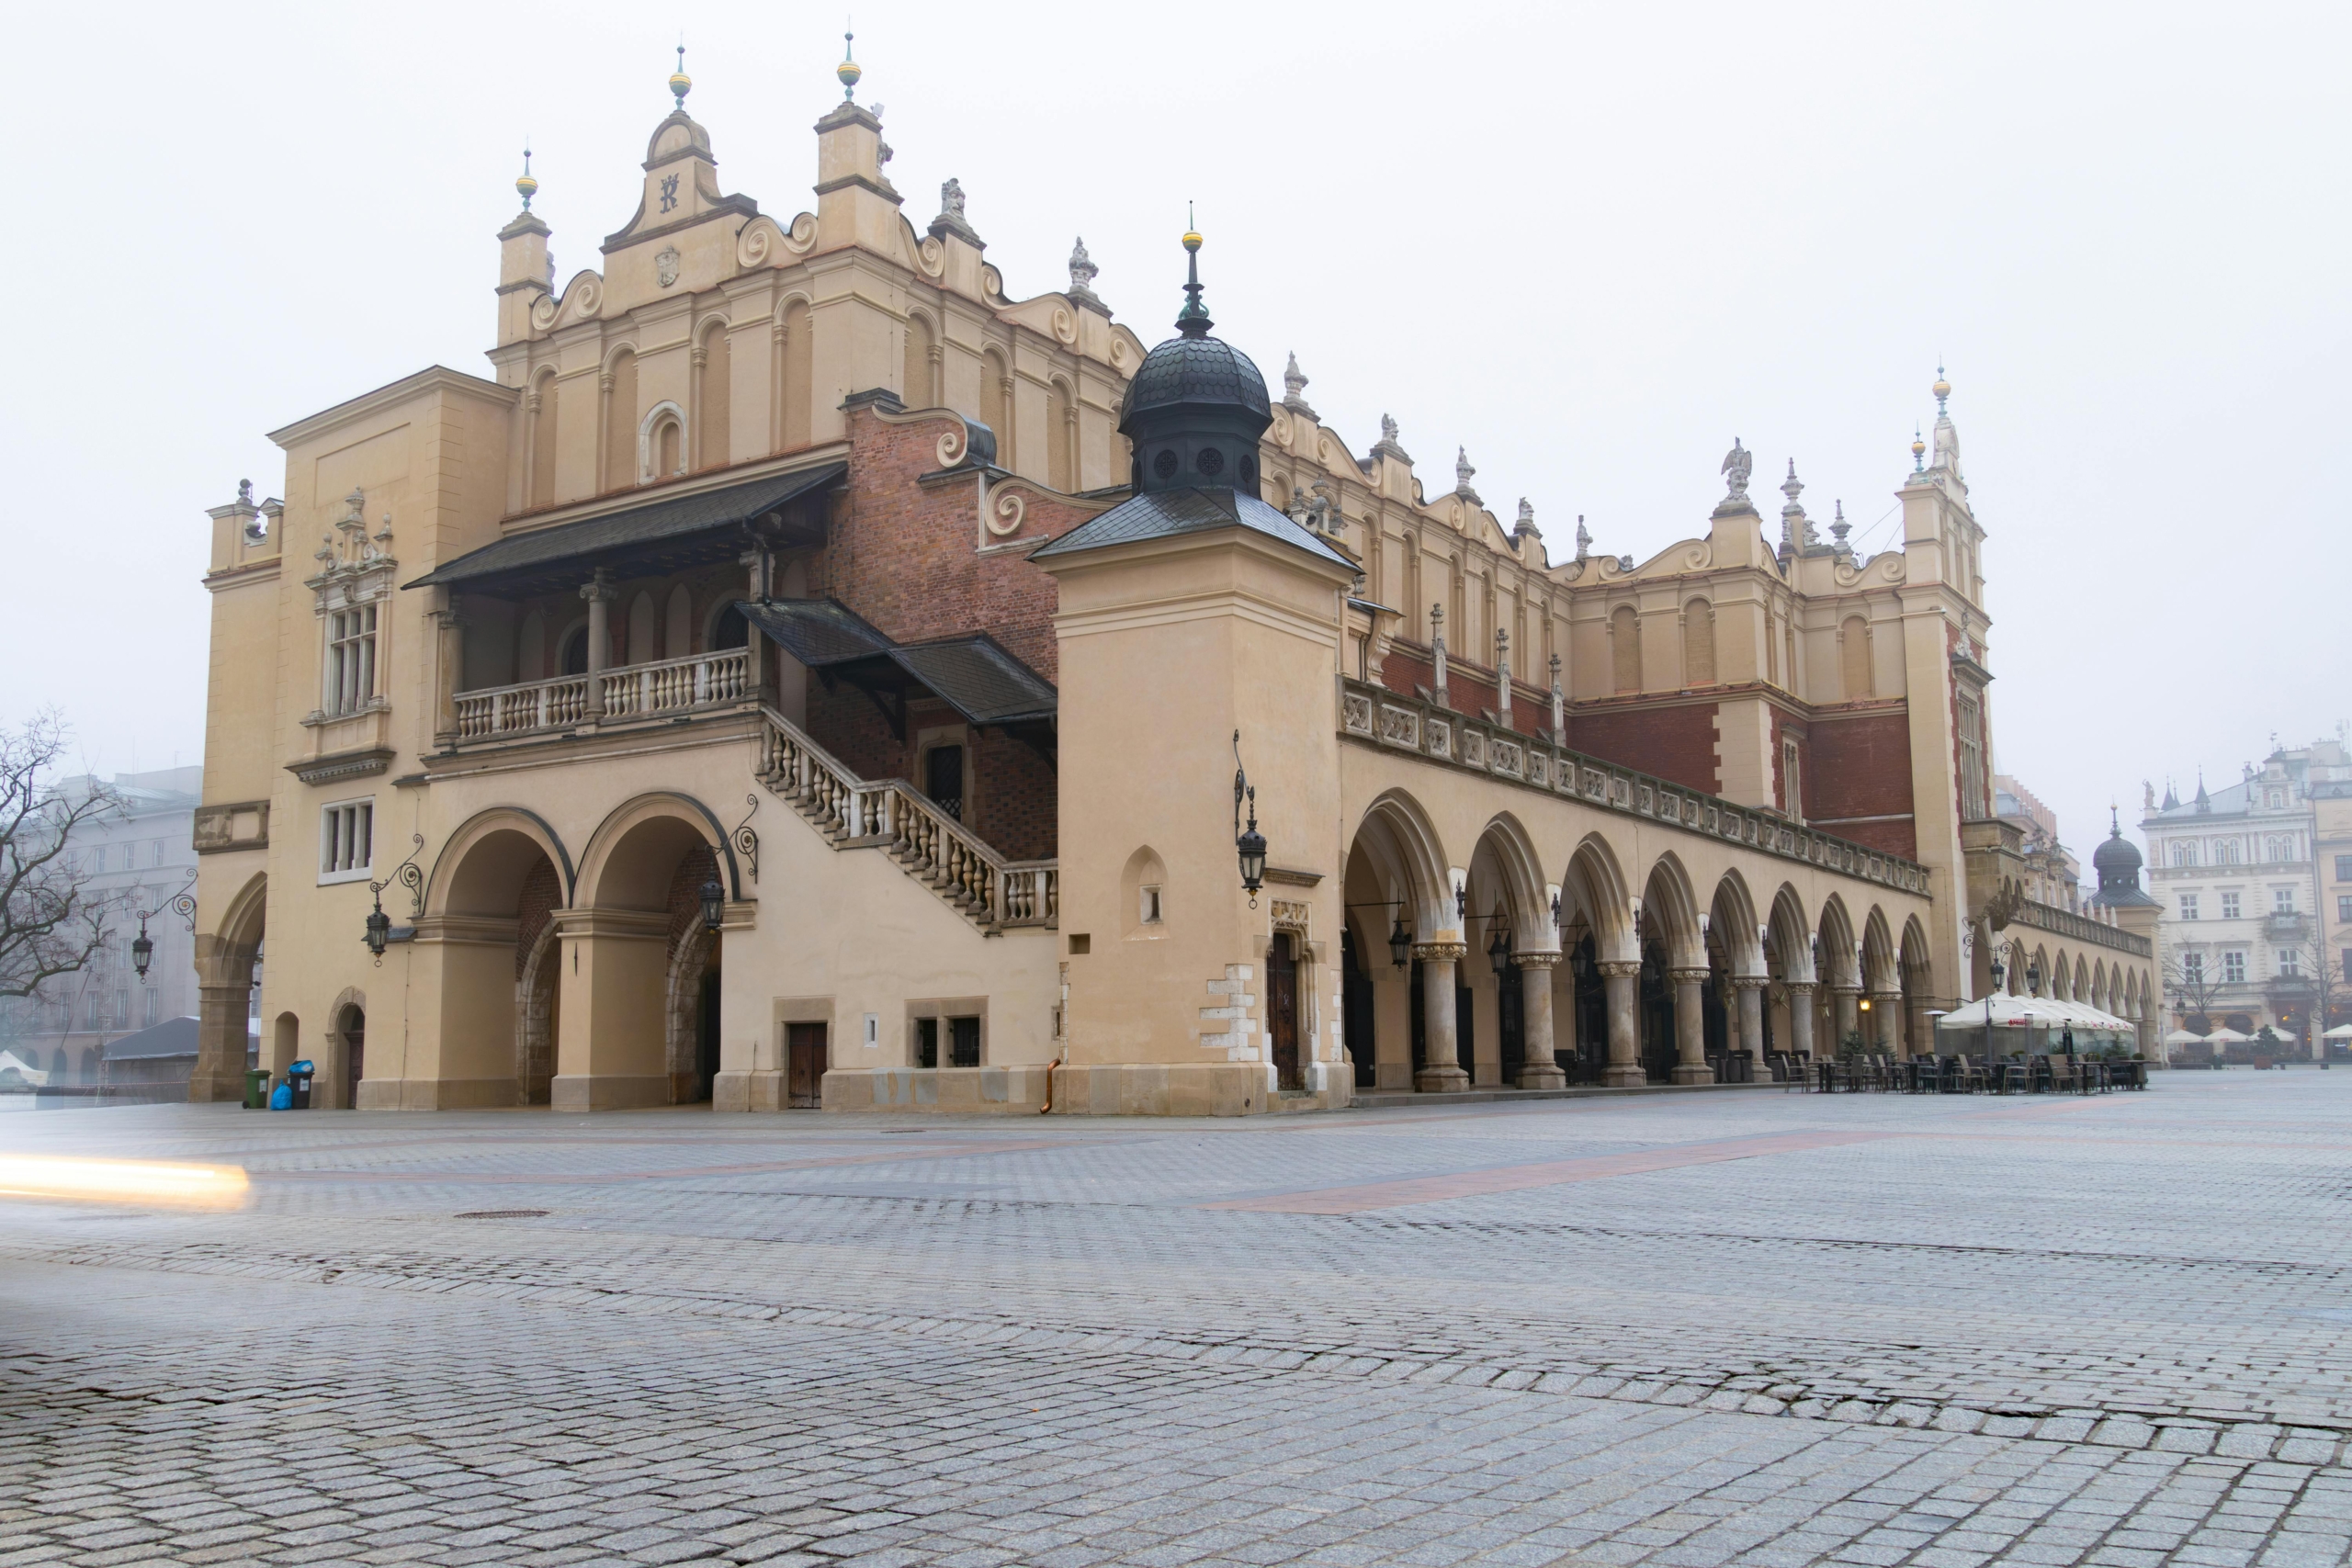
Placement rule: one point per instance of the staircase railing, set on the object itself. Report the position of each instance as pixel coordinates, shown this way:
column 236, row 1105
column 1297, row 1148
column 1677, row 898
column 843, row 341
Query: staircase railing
column 890, row 814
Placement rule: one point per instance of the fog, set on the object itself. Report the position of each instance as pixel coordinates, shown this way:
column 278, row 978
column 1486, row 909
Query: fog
column 1592, row 244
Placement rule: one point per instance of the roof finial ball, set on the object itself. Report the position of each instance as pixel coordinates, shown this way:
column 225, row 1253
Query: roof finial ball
column 527, row 184
column 848, row 70
column 1192, row 320
column 680, row 82
column 1919, row 449
column 1942, row 389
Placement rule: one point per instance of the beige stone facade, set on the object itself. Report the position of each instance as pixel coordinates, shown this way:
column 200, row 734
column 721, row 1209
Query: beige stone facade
column 797, row 674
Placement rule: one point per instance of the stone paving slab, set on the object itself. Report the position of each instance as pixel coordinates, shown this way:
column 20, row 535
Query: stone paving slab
column 1897, row 1330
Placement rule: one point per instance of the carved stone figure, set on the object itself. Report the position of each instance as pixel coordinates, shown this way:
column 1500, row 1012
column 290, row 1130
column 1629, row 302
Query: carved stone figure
column 1388, row 430
column 666, row 268
column 1738, row 463
column 951, row 199
column 1295, row 386
column 1461, row 472
column 1584, row 538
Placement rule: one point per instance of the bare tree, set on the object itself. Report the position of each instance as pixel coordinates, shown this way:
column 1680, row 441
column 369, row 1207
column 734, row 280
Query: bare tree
column 2193, row 986
column 49, row 923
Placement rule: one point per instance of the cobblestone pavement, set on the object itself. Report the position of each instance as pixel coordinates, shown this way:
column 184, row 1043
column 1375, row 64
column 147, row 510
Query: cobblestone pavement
column 1730, row 1327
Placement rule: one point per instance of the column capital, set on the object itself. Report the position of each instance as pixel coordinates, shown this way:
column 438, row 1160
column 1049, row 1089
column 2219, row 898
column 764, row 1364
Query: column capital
column 1441, row 952
column 599, row 591
column 1545, row 960
column 1690, row 976
column 1619, row 968
column 1842, row 989
column 1751, row 982
column 1800, row 988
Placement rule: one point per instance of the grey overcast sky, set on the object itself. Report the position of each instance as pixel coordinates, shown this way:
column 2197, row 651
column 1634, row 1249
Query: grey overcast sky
column 1592, row 242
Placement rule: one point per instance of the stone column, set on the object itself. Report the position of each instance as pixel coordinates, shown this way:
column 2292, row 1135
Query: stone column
column 1923, row 1031
column 599, row 594
column 450, row 676
column 1690, row 1028
column 1751, row 1021
column 1618, row 977
column 1843, row 1014
column 756, row 569
column 1442, row 1057
column 1800, row 1017
column 1541, row 1069
column 1886, row 1006
column 220, row 1073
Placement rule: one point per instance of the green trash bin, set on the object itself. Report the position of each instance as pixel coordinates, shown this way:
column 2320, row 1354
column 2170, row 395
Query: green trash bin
column 257, row 1089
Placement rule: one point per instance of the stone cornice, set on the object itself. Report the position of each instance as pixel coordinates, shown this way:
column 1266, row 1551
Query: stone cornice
column 433, row 378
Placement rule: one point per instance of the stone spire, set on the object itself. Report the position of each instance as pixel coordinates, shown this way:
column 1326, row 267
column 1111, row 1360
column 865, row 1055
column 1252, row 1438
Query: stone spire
column 1796, row 528
column 1082, row 273
column 1838, row 529
column 1192, row 320
column 1295, row 388
column 1947, row 435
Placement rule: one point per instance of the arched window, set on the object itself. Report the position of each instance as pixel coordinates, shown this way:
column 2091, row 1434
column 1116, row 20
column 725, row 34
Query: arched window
column 712, row 398
column 729, row 630
column 678, row 624
column 1626, row 647
column 666, row 450
column 541, row 482
column 575, row 652
column 620, row 422
column 1062, row 437
column 1854, row 659
column 914, row 380
column 1698, row 643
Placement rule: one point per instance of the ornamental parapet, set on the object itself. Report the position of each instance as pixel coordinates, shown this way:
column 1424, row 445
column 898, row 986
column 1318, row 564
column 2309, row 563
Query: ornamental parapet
column 2079, row 928
column 1374, row 716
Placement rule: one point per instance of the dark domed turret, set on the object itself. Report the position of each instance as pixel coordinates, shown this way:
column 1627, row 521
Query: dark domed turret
column 2118, row 862
column 1196, row 406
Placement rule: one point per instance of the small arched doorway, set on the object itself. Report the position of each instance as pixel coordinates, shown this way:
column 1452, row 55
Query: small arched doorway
column 353, row 1027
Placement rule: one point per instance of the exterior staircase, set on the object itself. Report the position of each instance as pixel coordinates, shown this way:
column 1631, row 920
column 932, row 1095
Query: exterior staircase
column 889, row 815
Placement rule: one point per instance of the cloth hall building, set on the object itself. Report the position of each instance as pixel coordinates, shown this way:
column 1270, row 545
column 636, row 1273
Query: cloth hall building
column 803, row 672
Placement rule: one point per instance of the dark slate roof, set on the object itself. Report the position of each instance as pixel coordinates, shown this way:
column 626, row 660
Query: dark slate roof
column 972, row 675
column 980, row 679
column 1195, row 370
column 569, row 550
column 172, row 1037
column 1160, row 515
column 817, row 632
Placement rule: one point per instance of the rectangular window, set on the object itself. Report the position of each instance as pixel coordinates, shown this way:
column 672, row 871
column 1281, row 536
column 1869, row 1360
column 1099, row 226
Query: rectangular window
column 154, row 1006
column 2184, row 853
column 2291, row 963
column 163, row 848
column 122, row 1009
column 926, row 1043
column 346, row 839
column 90, row 1010
column 2192, row 968
column 2225, row 851
column 2234, row 969
column 964, row 1038
column 2344, row 907
column 2343, row 868
column 2188, row 905
column 2282, row 900
column 351, row 660
column 2229, row 906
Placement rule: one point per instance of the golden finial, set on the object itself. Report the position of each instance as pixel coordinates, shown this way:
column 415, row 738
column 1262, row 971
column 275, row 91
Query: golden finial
column 1918, row 448
column 527, row 184
column 848, row 69
column 1192, row 235
column 1942, row 389
column 680, row 82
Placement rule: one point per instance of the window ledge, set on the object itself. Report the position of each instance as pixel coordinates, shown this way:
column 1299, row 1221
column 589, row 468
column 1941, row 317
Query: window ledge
column 330, row 878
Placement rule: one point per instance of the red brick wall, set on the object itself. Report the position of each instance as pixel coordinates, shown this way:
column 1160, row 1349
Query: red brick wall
column 845, row 721
column 1859, row 765
column 904, row 556
column 1467, row 690
column 541, row 894
column 700, row 865
column 1013, row 810
column 1676, row 742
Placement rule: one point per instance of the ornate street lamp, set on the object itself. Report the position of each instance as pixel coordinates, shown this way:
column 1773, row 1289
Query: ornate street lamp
column 1499, row 950
column 1249, row 844
column 142, row 949
column 409, row 874
column 379, row 929
column 1400, row 940
column 714, row 905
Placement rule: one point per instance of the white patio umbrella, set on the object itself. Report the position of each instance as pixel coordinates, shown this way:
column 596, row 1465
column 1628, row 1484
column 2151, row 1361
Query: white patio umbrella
column 2341, row 1031
column 2182, row 1037
column 2227, row 1036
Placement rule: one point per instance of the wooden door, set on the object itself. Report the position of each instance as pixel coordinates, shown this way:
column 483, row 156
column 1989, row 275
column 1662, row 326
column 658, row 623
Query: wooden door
column 803, row 1065
column 354, row 1054
column 1282, row 1011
